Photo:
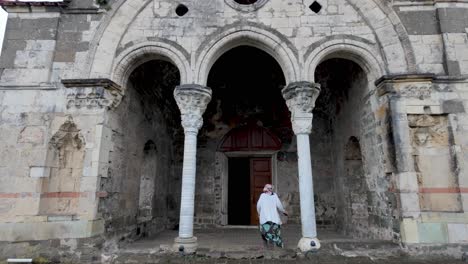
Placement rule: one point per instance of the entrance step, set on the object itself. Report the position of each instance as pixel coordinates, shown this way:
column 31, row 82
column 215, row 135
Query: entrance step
column 368, row 250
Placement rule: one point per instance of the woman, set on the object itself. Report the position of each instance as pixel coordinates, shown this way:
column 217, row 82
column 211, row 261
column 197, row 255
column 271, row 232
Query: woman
column 268, row 206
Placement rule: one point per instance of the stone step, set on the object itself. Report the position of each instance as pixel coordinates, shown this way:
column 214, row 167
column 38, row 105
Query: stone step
column 329, row 249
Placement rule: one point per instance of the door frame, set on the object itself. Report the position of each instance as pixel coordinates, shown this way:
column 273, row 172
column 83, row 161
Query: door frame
column 222, row 178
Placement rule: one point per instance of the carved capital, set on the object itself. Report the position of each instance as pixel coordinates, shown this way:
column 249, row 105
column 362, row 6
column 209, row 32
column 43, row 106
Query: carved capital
column 92, row 94
column 300, row 98
column 192, row 100
column 409, row 86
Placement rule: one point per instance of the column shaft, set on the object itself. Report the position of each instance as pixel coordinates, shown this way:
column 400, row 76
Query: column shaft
column 306, row 187
column 188, row 185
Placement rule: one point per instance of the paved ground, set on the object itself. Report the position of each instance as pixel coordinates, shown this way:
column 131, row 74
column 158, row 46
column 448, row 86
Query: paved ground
column 244, row 246
column 200, row 260
column 321, row 260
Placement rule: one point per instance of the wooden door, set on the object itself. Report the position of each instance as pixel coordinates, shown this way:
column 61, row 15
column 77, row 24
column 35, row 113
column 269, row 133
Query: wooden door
column 260, row 174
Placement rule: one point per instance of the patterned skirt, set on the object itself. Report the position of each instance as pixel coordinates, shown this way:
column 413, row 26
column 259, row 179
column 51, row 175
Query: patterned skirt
column 271, row 233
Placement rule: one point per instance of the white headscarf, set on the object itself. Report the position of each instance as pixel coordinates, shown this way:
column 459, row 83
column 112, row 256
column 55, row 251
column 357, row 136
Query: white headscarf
column 268, row 188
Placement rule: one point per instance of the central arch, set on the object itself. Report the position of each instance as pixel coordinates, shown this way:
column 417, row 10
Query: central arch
column 267, row 40
column 248, row 123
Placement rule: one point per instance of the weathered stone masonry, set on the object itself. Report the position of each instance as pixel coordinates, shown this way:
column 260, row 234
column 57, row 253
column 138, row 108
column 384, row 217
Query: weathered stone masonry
column 91, row 135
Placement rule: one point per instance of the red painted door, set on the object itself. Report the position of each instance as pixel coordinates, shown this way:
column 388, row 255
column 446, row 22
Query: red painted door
column 260, row 174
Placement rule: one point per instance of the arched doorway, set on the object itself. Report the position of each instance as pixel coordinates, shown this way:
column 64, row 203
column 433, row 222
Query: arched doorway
column 249, row 149
column 249, row 120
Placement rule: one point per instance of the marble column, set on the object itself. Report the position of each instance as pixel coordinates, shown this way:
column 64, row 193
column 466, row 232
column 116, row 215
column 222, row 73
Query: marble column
column 192, row 101
column 300, row 98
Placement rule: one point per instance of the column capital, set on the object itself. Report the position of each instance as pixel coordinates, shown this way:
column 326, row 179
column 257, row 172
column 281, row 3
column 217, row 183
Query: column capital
column 300, row 98
column 192, row 100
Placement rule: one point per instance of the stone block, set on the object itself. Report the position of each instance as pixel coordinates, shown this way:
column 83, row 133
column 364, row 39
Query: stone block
column 453, row 107
column 452, row 20
column 50, row 230
column 407, row 182
column 420, row 22
column 453, row 67
column 409, row 202
column 10, row 47
column 419, row 109
column 59, row 218
column 33, row 59
column 26, row 206
column 40, row 45
column 24, row 77
column 457, row 233
column 433, row 233
column 409, row 230
column 39, row 172
column 16, row 99
column 92, row 170
column 89, row 184
column 440, row 202
column 464, row 198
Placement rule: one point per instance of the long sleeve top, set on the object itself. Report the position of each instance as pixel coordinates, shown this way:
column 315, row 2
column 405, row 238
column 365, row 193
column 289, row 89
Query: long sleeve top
column 268, row 207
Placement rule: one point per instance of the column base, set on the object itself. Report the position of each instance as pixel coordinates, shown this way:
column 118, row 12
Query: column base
column 307, row 244
column 185, row 245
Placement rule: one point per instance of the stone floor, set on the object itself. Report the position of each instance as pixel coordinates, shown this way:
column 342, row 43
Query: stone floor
column 244, row 245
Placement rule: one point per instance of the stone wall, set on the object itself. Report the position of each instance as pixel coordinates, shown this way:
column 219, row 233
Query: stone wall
column 432, row 209
column 360, row 198
column 42, row 152
column 141, row 181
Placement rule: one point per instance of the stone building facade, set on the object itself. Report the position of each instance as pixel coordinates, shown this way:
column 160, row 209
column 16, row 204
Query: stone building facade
column 128, row 117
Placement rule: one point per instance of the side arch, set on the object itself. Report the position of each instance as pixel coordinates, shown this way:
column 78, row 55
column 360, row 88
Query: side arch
column 134, row 56
column 268, row 40
column 357, row 50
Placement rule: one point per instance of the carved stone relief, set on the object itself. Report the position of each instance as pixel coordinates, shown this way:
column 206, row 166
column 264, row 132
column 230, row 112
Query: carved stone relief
column 61, row 191
column 92, row 94
column 421, row 91
column 434, row 163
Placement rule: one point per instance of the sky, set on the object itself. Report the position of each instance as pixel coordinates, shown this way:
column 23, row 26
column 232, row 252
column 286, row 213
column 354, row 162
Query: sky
column 3, row 19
